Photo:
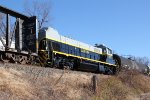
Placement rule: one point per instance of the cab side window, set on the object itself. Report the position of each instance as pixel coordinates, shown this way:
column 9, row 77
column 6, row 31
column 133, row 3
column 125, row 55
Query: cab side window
column 109, row 51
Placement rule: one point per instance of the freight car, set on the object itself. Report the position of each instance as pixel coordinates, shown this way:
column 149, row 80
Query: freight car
column 130, row 64
column 63, row 52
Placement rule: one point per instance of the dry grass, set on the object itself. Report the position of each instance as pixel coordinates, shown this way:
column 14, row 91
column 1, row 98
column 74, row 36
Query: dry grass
column 127, row 85
column 19, row 82
column 138, row 82
column 111, row 89
column 43, row 84
column 12, row 85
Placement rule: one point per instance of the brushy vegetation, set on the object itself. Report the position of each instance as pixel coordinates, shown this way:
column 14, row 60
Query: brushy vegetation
column 127, row 85
column 138, row 82
column 36, row 83
column 111, row 89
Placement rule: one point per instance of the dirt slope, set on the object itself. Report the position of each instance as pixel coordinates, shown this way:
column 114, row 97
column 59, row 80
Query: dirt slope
column 19, row 82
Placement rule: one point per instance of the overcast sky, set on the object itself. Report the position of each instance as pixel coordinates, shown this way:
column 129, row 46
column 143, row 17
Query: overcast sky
column 123, row 25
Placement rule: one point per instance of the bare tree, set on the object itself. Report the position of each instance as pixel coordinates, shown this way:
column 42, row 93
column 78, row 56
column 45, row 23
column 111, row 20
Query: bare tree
column 3, row 29
column 2, row 25
column 143, row 60
column 41, row 9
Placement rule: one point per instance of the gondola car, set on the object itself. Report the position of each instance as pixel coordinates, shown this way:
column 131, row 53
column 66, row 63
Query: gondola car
column 59, row 51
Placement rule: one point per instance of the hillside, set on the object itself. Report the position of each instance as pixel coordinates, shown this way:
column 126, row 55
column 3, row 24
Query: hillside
column 37, row 83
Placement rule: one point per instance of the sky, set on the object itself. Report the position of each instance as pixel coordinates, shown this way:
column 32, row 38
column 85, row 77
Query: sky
column 122, row 25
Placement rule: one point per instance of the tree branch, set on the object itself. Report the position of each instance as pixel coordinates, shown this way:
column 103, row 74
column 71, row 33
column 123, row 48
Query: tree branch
column 39, row 9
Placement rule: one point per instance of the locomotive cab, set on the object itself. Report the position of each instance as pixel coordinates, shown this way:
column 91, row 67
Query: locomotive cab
column 44, row 50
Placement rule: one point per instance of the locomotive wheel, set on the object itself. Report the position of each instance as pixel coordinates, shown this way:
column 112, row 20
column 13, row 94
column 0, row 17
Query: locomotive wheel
column 66, row 68
column 4, row 58
column 69, row 66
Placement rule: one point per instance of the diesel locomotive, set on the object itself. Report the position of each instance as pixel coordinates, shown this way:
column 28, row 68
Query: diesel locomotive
column 62, row 52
